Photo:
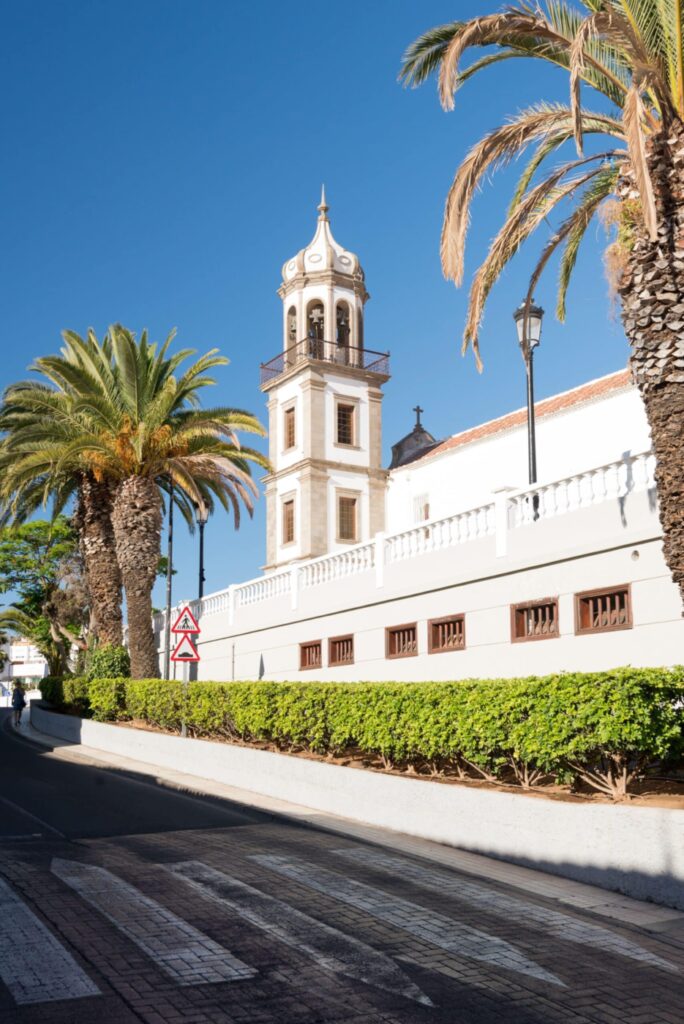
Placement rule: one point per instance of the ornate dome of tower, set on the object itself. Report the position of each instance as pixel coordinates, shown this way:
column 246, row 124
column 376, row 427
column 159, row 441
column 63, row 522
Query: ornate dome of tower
column 323, row 253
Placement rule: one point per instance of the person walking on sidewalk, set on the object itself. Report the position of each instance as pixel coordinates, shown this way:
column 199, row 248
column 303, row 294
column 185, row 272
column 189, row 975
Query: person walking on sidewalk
column 18, row 703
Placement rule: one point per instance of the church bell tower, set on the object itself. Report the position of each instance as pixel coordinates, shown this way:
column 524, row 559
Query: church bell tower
column 327, row 488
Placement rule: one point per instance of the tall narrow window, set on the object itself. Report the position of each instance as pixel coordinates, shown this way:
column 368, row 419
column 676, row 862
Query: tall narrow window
column 288, row 521
column 535, row 620
column 446, row 634
column 341, row 650
column 291, row 326
column 347, row 528
column 401, row 641
column 346, row 416
column 290, row 434
column 421, row 508
column 600, row 611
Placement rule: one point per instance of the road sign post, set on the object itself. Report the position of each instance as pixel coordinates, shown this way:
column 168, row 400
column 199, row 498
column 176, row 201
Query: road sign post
column 187, row 628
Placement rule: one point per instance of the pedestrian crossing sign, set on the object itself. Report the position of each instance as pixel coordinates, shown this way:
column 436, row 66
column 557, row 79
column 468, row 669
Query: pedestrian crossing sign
column 186, row 622
column 185, row 650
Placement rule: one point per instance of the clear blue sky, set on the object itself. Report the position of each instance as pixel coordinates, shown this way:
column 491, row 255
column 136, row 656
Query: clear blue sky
column 163, row 158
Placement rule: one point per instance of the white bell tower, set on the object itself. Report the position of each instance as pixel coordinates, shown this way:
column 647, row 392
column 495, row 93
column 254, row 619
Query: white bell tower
column 327, row 488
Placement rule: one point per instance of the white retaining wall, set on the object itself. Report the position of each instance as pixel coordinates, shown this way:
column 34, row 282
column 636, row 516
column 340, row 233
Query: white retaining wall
column 599, row 528
column 638, row 851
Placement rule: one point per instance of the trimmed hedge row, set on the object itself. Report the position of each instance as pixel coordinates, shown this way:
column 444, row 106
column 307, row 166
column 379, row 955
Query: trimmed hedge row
column 606, row 728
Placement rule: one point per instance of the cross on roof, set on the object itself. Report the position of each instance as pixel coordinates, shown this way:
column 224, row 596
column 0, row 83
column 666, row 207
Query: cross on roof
column 417, row 409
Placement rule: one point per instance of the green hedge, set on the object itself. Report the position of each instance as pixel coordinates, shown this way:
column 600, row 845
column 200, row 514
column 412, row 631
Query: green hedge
column 607, row 728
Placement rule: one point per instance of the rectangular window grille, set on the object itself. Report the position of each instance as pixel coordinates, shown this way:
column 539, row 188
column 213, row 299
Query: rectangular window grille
column 341, row 650
column 600, row 611
column 536, row 620
column 401, row 641
column 346, row 518
column 421, row 508
column 288, row 521
column 310, row 655
column 290, row 436
column 345, row 423
column 446, row 634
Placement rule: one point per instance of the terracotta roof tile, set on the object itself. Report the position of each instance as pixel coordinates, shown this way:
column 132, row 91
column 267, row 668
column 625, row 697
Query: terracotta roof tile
column 557, row 403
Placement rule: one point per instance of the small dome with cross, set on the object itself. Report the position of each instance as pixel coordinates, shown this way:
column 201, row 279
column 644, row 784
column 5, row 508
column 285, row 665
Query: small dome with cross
column 415, row 444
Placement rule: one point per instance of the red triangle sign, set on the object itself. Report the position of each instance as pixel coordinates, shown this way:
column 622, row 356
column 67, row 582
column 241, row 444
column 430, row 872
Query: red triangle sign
column 185, row 651
column 186, row 622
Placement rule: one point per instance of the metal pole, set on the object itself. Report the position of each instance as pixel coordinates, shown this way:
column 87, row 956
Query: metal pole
column 531, row 435
column 200, row 588
column 169, row 577
column 531, row 439
column 200, row 595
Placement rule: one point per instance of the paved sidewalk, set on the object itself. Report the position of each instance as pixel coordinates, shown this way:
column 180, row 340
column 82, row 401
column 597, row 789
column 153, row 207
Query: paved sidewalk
column 580, row 896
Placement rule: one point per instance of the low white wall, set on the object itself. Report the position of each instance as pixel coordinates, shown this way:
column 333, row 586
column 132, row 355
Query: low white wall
column 635, row 850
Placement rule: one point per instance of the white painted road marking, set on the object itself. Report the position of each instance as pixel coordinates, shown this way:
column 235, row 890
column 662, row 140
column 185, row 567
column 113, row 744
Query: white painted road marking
column 179, row 949
column 495, row 902
column 34, row 965
column 327, row 946
column 441, row 931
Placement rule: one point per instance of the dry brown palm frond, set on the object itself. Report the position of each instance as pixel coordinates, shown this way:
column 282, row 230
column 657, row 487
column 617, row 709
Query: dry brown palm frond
column 492, row 29
column 517, row 228
column 497, row 149
column 577, row 66
column 632, row 117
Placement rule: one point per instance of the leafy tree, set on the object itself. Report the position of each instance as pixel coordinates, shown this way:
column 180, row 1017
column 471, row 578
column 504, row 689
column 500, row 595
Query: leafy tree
column 39, row 563
column 631, row 52
column 123, row 419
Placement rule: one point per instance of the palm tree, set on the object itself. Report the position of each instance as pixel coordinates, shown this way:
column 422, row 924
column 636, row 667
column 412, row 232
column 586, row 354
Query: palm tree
column 131, row 427
column 632, row 53
column 35, row 417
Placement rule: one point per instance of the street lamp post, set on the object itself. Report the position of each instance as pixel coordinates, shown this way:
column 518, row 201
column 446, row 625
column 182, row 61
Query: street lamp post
column 528, row 321
column 169, row 577
column 201, row 515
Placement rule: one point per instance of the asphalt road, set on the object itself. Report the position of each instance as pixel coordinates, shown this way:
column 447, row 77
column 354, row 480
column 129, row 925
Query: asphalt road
column 123, row 901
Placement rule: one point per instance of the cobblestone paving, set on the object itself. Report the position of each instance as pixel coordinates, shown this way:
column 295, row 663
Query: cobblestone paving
column 314, row 940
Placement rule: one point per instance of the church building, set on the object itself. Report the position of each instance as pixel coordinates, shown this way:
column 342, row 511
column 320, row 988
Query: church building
column 372, row 570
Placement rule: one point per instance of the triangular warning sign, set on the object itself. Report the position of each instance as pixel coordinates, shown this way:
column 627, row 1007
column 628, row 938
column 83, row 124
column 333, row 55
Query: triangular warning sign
column 185, row 651
column 186, row 622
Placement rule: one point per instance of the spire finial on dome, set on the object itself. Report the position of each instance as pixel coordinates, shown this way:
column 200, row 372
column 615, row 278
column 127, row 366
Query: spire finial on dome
column 323, row 206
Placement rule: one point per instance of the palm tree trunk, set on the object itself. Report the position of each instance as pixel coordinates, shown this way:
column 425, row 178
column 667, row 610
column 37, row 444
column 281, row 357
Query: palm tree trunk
column 137, row 520
column 103, row 576
column 652, row 292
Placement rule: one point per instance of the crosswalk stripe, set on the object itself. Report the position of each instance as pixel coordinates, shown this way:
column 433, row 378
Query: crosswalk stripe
column 34, row 965
column 328, row 947
column 443, row 932
column 180, row 950
column 495, row 902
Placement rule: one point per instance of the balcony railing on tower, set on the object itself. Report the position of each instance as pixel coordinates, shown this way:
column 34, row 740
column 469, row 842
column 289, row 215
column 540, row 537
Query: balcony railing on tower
column 325, row 352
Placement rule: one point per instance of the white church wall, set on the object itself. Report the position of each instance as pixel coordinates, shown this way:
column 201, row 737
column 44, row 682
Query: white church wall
column 589, row 434
column 612, row 542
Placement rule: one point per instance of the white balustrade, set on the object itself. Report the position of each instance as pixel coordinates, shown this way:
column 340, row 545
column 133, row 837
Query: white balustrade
column 613, row 481
column 337, row 566
column 441, row 533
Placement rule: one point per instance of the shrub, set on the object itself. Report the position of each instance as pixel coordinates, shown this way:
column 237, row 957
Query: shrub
column 606, row 728
column 108, row 662
column 51, row 690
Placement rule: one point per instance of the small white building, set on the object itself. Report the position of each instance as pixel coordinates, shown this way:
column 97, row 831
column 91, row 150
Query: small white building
column 23, row 662
column 372, row 571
